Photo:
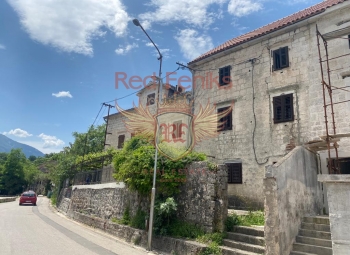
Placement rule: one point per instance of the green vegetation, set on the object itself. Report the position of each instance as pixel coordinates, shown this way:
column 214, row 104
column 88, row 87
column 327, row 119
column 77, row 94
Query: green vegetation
column 253, row 218
column 135, row 162
column 16, row 172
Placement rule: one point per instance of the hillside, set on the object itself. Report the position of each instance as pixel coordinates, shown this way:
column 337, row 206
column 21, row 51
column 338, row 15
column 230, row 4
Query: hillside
column 6, row 144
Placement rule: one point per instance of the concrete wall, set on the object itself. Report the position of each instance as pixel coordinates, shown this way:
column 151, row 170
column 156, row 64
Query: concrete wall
column 302, row 78
column 338, row 187
column 291, row 192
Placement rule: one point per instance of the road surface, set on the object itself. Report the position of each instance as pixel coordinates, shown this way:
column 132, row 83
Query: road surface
column 38, row 230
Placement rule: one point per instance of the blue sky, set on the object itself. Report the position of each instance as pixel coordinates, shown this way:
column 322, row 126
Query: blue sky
column 58, row 58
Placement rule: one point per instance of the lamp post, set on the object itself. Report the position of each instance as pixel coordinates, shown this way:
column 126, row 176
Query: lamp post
column 150, row 227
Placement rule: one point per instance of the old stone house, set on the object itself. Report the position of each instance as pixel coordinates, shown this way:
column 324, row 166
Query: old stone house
column 117, row 132
column 272, row 75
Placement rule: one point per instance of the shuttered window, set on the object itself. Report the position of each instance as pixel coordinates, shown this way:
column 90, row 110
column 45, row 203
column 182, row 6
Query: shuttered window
column 121, row 139
column 283, row 108
column 280, row 58
column 225, row 75
column 234, row 171
column 226, row 121
column 151, row 99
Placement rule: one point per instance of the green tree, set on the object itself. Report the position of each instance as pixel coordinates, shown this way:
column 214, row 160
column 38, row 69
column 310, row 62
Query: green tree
column 32, row 158
column 90, row 142
column 12, row 180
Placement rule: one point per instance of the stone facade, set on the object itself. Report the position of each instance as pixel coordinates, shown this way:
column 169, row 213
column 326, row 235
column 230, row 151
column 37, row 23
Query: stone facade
column 253, row 128
column 203, row 197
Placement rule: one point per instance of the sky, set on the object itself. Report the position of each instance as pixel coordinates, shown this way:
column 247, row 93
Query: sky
column 59, row 58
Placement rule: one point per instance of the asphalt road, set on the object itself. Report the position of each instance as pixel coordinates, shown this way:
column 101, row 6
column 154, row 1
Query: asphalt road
column 36, row 230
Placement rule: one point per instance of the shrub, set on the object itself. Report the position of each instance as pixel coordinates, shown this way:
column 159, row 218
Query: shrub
column 211, row 237
column 139, row 220
column 253, row 218
column 231, row 221
column 126, row 216
column 213, row 249
column 185, row 230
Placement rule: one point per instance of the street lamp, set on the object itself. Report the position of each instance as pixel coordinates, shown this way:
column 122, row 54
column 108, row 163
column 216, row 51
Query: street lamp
column 153, row 196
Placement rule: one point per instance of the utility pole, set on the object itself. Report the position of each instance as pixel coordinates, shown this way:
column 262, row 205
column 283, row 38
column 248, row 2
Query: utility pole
column 109, row 108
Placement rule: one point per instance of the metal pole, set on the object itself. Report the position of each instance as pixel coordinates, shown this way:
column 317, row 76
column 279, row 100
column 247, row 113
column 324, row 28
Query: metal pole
column 153, row 194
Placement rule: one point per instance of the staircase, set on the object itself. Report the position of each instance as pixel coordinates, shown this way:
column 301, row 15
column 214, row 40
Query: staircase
column 244, row 241
column 314, row 237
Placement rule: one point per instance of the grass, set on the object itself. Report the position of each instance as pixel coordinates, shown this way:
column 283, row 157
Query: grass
column 255, row 218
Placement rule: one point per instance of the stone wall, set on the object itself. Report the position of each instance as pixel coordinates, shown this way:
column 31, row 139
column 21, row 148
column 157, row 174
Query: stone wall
column 291, row 192
column 106, row 201
column 301, row 78
column 203, row 197
column 166, row 245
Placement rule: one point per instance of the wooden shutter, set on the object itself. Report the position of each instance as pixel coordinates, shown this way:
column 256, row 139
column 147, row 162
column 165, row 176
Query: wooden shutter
column 277, row 109
column 288, row 107
column 121, row 139
column 234, row 172
column 227, row 120
column 284, row 57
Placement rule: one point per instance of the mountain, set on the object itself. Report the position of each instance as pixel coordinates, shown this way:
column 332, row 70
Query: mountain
column 6, row 144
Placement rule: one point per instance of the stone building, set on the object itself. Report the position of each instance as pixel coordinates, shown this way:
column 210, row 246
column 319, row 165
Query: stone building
column 117, row 131
column 272, row 75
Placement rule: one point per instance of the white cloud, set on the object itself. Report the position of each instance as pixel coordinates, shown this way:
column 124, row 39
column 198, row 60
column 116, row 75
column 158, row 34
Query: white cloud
column 194, row 12
column 39, row 146
column 50, row 141
column 123, row 50
column 192, row 44
column 71, row 25
column 241, row 8
column 2, row 47
column 17, row 132
column 149, row 44
column 62, row 94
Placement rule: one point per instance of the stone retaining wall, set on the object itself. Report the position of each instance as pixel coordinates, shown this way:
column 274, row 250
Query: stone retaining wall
column 7, row 199
column 139, row 237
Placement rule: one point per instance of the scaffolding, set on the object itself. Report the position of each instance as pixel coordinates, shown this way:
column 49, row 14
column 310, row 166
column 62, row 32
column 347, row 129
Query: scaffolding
column 330, row 140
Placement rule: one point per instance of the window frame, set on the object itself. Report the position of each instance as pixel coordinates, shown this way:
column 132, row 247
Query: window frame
column 224, row 72
column 229, row 127
column 121, row 140
column 234, row 178
column 149, row 98
column 283, row 106
column 278, row 52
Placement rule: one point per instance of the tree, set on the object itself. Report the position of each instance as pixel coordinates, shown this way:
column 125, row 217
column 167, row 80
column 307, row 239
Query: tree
column 12, row 180
column 32, row 158
column 90, row 142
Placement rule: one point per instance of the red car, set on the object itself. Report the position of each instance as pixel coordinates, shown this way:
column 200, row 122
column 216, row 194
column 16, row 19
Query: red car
column 28, row 197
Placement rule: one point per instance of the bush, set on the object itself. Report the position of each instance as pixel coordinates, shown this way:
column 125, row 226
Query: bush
column 139, row 220
column 209, row 238
column 126, row 216
column 185, row 230
column 231, row 221
column 213, row 249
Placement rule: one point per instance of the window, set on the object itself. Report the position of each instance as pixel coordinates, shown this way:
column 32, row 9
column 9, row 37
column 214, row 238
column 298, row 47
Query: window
column 280, row 58
column 234, row 171
column 283, row 108
column 151, row 99
column 225, row 75
column 225, row 123
column 121, row 139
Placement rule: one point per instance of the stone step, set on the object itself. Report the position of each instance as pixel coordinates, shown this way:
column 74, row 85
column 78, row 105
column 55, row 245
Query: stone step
column 307, row 248
column 314, row 241
column 256, row 240
column 301, row 253
column 317, row 219
column 244, row 246
column 315, row 234
column 249, row 231
column 232, row 251
column 317, row 227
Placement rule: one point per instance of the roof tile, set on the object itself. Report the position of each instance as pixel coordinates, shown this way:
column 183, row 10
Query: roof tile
column 279, row 24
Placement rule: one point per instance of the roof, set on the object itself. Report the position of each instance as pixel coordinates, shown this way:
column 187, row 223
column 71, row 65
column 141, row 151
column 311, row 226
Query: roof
column 274, row 26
